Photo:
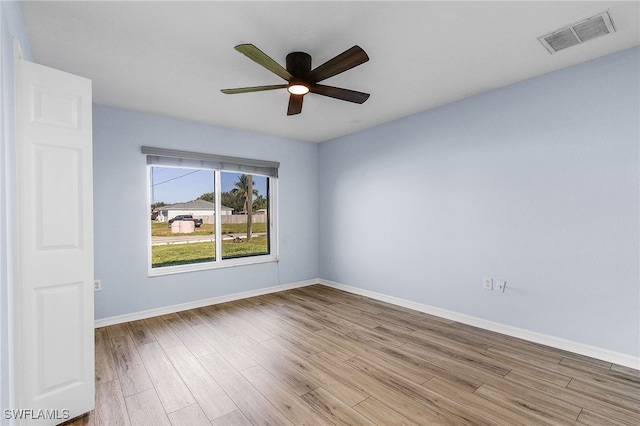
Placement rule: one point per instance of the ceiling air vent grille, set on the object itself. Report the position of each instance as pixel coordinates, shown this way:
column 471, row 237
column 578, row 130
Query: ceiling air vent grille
column 577, row 33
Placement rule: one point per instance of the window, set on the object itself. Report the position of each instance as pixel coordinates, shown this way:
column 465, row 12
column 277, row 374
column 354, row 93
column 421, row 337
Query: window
column 209, row 211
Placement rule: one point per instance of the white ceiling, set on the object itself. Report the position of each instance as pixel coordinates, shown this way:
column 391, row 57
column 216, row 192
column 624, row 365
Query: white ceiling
column 172, row 58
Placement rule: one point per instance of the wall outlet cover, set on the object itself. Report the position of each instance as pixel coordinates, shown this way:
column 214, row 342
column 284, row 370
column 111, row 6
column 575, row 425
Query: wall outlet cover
column 488, row 283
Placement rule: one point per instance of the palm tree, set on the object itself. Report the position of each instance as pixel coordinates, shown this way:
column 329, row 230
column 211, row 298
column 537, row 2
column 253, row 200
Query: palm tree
column 260, row 203
column 244, row 189
column 207, row 196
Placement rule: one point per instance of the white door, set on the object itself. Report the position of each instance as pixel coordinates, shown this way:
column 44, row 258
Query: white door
column 54, row 351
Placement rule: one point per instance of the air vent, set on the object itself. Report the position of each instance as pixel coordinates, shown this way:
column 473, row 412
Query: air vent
column 577, row 33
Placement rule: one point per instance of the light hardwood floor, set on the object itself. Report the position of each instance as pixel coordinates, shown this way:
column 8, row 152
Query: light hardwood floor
column 319, row 356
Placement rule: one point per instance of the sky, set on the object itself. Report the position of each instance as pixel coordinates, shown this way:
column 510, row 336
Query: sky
column 175, row 185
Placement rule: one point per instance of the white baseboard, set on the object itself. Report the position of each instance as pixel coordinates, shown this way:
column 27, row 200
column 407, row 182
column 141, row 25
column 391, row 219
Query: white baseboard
column 544, row 339
column 134, row 316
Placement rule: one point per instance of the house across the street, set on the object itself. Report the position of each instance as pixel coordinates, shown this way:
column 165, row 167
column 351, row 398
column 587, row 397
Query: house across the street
column 199, row 209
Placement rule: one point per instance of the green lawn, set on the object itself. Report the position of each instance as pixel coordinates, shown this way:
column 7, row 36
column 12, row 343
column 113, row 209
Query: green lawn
column 181, row 254
column 160, row 229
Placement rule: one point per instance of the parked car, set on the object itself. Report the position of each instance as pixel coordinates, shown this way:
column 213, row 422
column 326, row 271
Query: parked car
column 196, row 222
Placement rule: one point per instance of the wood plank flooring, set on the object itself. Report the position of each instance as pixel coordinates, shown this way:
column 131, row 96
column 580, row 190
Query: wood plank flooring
column 320, row 356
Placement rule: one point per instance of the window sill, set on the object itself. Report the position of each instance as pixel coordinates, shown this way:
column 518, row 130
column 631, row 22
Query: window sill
column 205, row 266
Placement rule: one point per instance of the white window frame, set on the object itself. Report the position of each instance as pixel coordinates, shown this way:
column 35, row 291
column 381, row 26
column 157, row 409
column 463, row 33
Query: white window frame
column 219, row 262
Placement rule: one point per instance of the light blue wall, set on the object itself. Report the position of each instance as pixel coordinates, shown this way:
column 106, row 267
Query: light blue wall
column 12, row 26
column 121, row 219
column 535, row 183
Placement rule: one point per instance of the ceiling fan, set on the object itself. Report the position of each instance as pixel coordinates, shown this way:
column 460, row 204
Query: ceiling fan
column 301, row 79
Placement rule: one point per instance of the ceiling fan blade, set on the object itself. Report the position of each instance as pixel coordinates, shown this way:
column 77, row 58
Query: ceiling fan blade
column 295, row 104
column 253, row 89
column 345, row 61
column 338, row 93
column 261, row 58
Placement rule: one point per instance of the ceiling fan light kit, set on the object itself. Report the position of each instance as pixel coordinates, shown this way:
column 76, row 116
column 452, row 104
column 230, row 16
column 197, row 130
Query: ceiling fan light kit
column 302, row 79
column 298, row 89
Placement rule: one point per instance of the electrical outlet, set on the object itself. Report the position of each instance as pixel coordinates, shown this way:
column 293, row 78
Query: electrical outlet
column 501, row 284
column 488, row 283
column 97, row 285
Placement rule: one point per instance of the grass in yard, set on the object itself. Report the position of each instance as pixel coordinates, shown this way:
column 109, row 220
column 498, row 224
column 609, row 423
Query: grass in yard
column 182, row 254
column 161, row 229
column 239, row 228
column 257, row 245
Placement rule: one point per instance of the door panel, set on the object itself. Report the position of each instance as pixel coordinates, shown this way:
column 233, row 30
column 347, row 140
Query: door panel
column 59, row 311
column 58, row 214
column 54, row 217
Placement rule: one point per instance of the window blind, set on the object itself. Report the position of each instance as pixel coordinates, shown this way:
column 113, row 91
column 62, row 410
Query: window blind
column 196, row 160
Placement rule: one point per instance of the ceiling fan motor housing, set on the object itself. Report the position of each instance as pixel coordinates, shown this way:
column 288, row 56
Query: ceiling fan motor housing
column 299, row 65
